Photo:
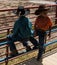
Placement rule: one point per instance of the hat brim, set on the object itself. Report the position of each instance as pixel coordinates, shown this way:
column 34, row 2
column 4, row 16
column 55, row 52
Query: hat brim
column 23, row 10
column 27, row 11
column 38, row 11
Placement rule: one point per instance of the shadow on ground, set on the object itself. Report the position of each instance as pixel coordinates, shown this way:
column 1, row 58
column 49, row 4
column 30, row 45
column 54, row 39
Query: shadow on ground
column 32, row 61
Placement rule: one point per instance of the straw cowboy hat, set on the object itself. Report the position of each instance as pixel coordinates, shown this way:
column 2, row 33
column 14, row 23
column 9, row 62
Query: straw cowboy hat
column 22, row 10
column 40, row 9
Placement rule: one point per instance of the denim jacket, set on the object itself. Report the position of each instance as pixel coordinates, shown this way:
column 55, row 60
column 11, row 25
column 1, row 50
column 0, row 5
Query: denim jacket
column 21, row 28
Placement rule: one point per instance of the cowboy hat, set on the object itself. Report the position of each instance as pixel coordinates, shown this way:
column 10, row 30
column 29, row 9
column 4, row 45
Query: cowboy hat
column 40, row 9
column 22, row 10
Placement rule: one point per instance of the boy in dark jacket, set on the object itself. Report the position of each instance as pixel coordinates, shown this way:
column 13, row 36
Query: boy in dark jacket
column 21, row 32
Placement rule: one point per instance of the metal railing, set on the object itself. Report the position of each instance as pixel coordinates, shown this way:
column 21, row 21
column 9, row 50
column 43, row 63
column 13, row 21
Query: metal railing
column 4, row 44
column 7, row 49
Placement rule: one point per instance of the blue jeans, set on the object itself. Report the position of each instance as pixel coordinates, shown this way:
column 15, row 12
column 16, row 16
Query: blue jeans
column 12, row 46
column 42, row 36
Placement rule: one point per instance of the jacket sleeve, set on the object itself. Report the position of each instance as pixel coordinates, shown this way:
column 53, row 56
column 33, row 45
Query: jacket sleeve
column 50, row 23
column 31, row 29
column 50, row 26
column 16, row 28
column 35, row 29
column 30, row 24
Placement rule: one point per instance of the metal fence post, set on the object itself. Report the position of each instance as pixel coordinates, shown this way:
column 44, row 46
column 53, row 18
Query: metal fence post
column 7, row 51
column 8, row 31
column 56, row 14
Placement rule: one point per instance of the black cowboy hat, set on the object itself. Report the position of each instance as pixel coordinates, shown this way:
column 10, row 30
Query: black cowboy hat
column 22, row 10
column 40, row 9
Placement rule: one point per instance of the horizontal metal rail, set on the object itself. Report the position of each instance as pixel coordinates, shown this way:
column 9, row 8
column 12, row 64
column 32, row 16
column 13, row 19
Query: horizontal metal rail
column 7, row 29
column 5, row 43
column 49, row 43
column 54, row 29
column 10, row 9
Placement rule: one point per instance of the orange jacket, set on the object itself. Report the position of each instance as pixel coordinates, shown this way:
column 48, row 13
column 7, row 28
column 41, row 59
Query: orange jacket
column 43, row 23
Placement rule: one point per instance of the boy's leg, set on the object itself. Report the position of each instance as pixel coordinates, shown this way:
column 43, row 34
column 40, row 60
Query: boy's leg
column 40, row 53
column 41, row 46
column 12, row 46
column 34, row 42
column 28, row 48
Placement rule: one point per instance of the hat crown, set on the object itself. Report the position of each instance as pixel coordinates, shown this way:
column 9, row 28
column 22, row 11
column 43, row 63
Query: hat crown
column 20, row 8
column 42, row 7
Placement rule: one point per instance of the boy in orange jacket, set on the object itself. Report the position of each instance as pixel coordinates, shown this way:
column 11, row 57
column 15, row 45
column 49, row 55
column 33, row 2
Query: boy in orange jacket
column 42, row 24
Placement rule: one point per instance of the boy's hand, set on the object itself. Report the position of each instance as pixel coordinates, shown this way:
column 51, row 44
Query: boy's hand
column 49, row 35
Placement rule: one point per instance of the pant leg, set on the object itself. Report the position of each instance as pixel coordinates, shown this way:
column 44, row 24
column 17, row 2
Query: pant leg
column 24, row 42
column 28, row 48
column 12, row 45
column 41, row 47
column 33, row 41
column 41, row 44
